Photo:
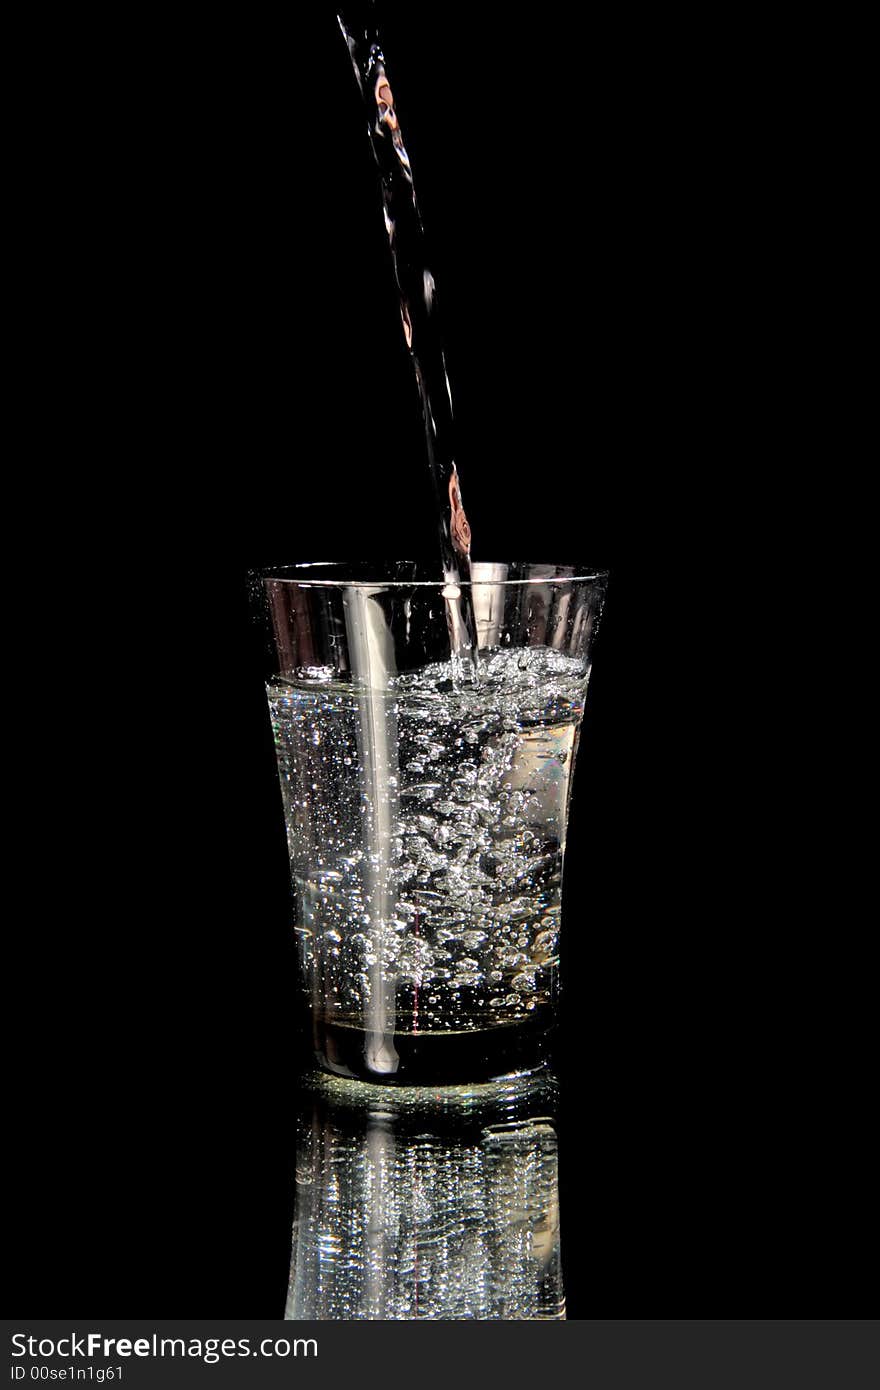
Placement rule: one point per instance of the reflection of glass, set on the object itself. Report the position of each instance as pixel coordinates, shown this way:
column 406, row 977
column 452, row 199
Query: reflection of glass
column 427, row 1203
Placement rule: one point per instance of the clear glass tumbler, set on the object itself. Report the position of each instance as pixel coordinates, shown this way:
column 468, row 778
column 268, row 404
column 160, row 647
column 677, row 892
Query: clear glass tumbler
column 426, row 807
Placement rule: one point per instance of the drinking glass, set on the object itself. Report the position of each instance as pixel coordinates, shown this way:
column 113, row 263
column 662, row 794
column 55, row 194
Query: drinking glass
column 426, row 804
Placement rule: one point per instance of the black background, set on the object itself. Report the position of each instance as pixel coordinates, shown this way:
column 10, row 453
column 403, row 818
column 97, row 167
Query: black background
column 222, row 383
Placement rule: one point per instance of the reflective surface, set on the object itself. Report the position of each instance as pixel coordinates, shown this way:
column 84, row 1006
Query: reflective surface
column 427, row 1203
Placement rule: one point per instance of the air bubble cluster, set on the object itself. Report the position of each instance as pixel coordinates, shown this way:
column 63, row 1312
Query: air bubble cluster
column 439, row 889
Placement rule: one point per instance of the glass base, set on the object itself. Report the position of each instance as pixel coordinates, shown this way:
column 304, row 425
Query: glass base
column 433, row 1059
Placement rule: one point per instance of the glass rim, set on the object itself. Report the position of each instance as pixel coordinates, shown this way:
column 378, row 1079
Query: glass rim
column 299, row 575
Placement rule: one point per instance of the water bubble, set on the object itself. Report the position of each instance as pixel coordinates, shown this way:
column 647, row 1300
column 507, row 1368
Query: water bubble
column 424, row 791
column 466, row 977
column 523, row 981
column 444, row 934
column 474, row 938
